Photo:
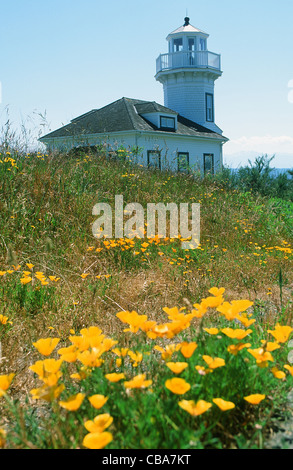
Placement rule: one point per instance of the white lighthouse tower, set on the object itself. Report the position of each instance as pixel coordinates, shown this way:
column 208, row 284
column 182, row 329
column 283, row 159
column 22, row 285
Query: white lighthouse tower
column 188, row 73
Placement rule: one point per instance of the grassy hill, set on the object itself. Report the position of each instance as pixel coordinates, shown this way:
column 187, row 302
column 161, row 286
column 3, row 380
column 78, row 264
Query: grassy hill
column 57, row 281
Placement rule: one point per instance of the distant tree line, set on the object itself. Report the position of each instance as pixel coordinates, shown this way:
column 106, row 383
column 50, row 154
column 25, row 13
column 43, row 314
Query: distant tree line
column 259, row 177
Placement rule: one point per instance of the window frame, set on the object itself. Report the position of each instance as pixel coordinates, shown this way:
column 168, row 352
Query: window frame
column 166, row 127
column 202, row 44
column 178, row 44
column 204, row 163
column 186, row 154
column 158, row 153
column 193, row 39
column 212, row 108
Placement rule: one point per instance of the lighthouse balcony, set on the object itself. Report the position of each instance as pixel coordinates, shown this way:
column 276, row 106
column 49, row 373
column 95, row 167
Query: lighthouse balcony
column 189, row 59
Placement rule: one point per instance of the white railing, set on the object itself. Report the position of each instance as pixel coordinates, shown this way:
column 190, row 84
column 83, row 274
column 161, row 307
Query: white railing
column 195, row 59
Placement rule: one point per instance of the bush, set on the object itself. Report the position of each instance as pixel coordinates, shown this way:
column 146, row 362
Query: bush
column 258, row 178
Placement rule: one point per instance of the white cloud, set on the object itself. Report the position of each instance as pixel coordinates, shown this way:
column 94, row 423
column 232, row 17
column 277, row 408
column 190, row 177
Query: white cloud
column 263, row 144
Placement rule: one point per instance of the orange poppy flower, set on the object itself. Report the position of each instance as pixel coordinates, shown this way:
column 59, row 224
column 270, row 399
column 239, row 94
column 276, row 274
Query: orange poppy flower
column 133, row 319
column 177, row 386
column 217, row 291
column 281, row 333
column 254, row 399
column 168, row 351
column 177, row 367
column 223, row 404
column 46, row 346
column 187, row 349
column 236, row 334
column 97, row 440
column 214, row 363
column 5, row 381
column 262, row 357
column 115, row 377
column 138, row 382
column 195, row 409
column 212, row 331
column 73, row 403
column 235, row 348
column 279, row 374
column 98, row 401
column 289, row 368
column 47, row 393
column 99, row 424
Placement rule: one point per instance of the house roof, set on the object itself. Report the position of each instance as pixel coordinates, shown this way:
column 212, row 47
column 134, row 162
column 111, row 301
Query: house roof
column 125, row 114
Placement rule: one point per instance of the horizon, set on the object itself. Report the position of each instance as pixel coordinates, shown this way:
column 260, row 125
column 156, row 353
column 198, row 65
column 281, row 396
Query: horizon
column 88, row 64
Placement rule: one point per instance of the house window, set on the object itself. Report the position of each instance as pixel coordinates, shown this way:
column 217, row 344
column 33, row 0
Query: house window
column 154, row 159
column 167, row 123
column 208, row 163
column 209, row 107
column 178, row 45
column 183, row 162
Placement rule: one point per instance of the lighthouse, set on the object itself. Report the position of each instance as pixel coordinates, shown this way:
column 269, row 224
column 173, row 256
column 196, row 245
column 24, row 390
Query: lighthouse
column 188, row 73
column 180, row 136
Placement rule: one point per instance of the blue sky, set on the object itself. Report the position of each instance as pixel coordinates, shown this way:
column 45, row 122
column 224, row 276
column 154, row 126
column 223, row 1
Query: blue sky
column 67, row 57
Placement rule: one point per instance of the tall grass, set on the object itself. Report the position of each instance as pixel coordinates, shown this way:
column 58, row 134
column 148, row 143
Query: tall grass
column 55, row 277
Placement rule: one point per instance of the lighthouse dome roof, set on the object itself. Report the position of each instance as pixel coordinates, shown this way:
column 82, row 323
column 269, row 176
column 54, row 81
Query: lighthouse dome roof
column 187, row 28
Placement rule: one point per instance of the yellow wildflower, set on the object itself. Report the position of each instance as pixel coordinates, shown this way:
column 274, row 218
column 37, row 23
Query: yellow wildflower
column 73, row 403
column 4, row 320
column 281, row 333
column 90, row 358
column 138, row 382
column 168, row 351
column 213, row 363
column 262, row 357
column 136, row 357
column 97, row 440
column 223, row 404
column 187, row 349
column 289, row 368
column 177, row 367
column 270, row 346
column 99, row 424
column 230, row 310
column 195, row 409
column 115, row 377
column 25, row 280
column 217, row 291
column 255, row 399
column 5, row 381
column 212, row 331
column 46, row 346
column 177, row 386
column 236, row 334
column 133, row 319
column 235, row 348
column 98, row 401
column 279, row 374
column 47, row 393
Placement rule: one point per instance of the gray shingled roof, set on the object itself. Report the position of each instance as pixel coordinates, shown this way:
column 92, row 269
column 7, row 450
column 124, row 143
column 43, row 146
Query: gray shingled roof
column 125, row 115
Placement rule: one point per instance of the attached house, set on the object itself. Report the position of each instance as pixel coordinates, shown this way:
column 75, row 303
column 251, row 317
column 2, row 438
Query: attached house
column 182, row 134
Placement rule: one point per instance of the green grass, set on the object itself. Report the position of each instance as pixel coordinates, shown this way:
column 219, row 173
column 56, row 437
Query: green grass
column 46, row 220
